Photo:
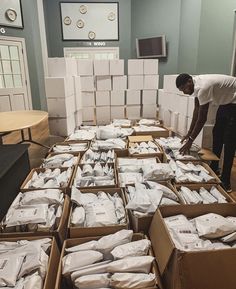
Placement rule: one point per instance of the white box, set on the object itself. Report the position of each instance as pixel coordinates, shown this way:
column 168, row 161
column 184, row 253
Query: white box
column 103, row 115
column 87, row 83
column 135, row 66
column 78, row 93
column 103, row 82
column 117, row 67
column 174, row 121
column 149, row 111
column 102, row 98
column 133, row 112
column 62, row 126
column 117, row 97
column 169, row 84
column 133, row 97
column 182, row 102
column 167, row 117
column 88, row 99
column 117, row 112
column 150, row 81
column 78, row 118
column 191, row 105
column 135, row 81
column 61, row 107
column 182, row 125
column 101, row 67
column 149, row 97
column 88, row 114
column 150, row 66
column 119, row 82
column 85, row 67
column 59, row 87
column 62, row 67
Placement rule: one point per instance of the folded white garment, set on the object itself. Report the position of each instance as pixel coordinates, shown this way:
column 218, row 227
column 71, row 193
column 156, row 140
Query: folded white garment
column 98, row 157
column 93, row 281
column 109, row 144
column 83, row 135
column 78, row 217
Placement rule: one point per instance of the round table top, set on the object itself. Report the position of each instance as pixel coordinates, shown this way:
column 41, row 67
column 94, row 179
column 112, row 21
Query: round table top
column 17, row 120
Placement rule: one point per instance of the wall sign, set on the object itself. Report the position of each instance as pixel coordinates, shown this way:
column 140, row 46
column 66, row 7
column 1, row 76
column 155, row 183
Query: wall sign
column 89, row 21
column 11, row 13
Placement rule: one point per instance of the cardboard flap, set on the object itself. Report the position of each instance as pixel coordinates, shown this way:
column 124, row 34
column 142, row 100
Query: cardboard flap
column 140, row 138
column 159, row 235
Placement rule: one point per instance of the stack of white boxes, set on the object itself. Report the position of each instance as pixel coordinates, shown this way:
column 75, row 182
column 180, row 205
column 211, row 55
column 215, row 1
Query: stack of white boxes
column 176, row 111
column 142, row 90
column 60, row 95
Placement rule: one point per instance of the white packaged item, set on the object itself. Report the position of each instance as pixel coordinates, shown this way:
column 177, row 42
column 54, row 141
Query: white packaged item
column 119, row 208
column 93, row 281
column 108, row 144
column 158, row 171
column 60, row 160
column 168, row 193
column 76, row 260
column 47, row 196
column 82, row 135
column 215, row 193
column 132, row 280
column 128, row 178
column 121, row 122
column 229, row 238
column 76, row 147
column 207, row 197
column 98, row 157
column 168, row 202
column 213, row 226
column 92, row 245
column 140, row 264
column 151, row 122
column 33, row 281
column 136, row 248
column 78, row 217
column 180, row 224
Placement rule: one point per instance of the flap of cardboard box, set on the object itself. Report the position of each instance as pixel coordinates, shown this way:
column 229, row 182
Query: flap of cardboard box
column 140, row 138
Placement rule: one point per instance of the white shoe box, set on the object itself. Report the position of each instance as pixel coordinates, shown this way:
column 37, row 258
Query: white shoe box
column 133, row 112
column 59, row 87
column 101, row 67
column 117, row 97
column 182, row 104
column 150, row 81
column 150, row 66
column 135, row 82
column 62, row 67
column 133, row 97
column 161, row 98
column 103, row 82
column 191, row 105
column 85, row 67
column 78, row 93
column 103, row 115
column 102, row 98
column 119, row 82
column 61, row 107
column 135, row 66
column 174, row 121
column 87, row 83
column 88, row 114
column 62, row 126
column 169, row 84
column 207, row 136
column 117, row 67
column 167, row 117
column 88, row 99
column 182, row 125
column 78, row 118
column 149, row 111
column 149, row 96
column 117, row 112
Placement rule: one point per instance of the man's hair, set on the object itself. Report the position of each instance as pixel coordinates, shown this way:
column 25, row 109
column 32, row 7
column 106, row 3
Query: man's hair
column 182, row 79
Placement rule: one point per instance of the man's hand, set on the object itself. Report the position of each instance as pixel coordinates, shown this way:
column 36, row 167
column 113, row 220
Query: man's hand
column 186, row 147
column 184, row 138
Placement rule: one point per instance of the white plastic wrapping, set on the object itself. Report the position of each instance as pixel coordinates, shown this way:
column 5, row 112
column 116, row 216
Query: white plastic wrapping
column 93, row 281
column 132, row 280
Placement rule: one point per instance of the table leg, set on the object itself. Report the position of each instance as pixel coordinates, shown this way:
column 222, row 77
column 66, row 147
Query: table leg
column 30, row 139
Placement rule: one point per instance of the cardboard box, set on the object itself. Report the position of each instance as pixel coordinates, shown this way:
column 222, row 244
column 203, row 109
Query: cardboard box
column 151, row 81
column 117, row 112
column 117, row 97
column 62, row 67
column 135, row 82
column 62, row 126
column 117, row 67
column 150, row 66
column 60, row 232
column 149, row 96
column 88, row 114
column 140, row 138
column 135, row 66
column 211, row 269
column 174, row 121
column 102, row 98
column 133, row 97
column 103, row 82
column 78, row 93
column 149, row 111
column 61, row 107
column 119, row 82
column 78, row 118
column 142, row 223
column 87, row 83
column 101, row 67
column 85, row 67
column 78, row 232
column 67, row 143
column 169, row 84
column 103, row 115
column 160, row 132
column 158, row 155
column 133, row 112
column 88, row 99
column 59, row 87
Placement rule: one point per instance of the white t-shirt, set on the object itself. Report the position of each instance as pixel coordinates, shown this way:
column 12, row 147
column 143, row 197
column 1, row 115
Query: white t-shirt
column 216, row 88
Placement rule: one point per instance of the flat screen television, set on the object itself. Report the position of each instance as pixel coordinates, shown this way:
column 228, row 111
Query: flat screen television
column 151, row 47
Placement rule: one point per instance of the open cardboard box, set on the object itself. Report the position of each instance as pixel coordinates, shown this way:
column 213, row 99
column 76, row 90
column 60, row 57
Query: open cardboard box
column 60, row 232
column 197, row 187
column 209, row 269
column 161, row 131
column 54, row 258
column 65, row 283
column 67, row 143
column 119, row 152
column 78, row 232
column 100, row 151
column 142, row 223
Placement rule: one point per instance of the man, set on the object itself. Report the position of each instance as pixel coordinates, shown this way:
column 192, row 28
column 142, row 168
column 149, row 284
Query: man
column 220, row 90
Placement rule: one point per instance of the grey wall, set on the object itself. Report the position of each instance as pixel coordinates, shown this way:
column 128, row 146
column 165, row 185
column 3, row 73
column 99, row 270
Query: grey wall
column 33, row 49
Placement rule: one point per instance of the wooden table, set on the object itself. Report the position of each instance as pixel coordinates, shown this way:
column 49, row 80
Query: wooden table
column 11, row 121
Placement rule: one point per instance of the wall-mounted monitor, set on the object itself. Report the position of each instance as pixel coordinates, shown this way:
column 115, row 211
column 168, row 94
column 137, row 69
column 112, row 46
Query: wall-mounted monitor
column 151, row 47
